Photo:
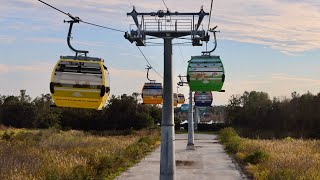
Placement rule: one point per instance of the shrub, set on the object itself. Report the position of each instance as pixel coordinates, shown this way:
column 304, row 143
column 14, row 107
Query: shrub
column 226, row 134
column 7, row 135
column 231, row 139
column 256, row 157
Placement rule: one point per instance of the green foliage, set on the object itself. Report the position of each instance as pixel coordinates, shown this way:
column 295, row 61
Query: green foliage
column 7, row 136
column 231, row 139
column 256, row 113
column 256, row 157
column 121, row 113
column 226, row 134
column 108, row 167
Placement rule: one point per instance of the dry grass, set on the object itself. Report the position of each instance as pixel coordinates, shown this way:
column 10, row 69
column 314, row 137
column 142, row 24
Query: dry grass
column 295, row 159
column 289, row 159
column 54, row 154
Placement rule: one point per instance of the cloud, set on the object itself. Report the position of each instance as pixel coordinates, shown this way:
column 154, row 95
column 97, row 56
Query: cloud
column 288, row 26
column 34, row 68
column 285, row 77
column 291, row 27
column 7, row 39
column 60, row 40
column 4, row 68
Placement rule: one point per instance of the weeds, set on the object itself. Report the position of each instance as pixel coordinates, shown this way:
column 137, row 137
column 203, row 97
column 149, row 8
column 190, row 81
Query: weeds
column 55, row 154
column 274, row 159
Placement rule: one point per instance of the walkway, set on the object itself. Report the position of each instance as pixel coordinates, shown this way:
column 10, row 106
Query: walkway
column 207, row 162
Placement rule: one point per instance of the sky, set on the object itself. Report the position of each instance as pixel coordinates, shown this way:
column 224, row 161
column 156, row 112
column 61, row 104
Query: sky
column 265, row 45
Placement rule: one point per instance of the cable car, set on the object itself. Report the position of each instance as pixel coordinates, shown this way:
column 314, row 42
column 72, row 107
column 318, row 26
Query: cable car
column 175, row 99
column 80, row 83
column 206, row 72
column 181, row 98
column 202, row 110
column 184, row 108
column 203, row 99
column 152, row 93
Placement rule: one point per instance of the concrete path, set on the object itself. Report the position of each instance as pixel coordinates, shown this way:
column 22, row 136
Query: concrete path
column 207, row 162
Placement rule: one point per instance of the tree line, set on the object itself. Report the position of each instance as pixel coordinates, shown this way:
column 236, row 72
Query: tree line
column 258, row 115
column 121, row 113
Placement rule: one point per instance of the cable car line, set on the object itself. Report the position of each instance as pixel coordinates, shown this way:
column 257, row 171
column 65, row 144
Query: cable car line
column 210, row 15
column 181, row 54
column 148, row 62
column 97, row 25
column 77, row 18
column 55, row 8
column 130, row 2
column 165, row 4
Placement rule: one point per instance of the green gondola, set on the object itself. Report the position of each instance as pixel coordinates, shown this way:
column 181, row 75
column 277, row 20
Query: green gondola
column 205, row 73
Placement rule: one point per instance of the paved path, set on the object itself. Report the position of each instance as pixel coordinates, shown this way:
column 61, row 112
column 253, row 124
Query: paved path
column 207, row 162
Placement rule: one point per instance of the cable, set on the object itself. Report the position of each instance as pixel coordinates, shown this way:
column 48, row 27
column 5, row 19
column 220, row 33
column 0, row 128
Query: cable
column 181, row 54
column 68, row 14
column 55, row 8
column 165, row 4
column 97, row 25
column 130, row 2
column 210, row 14
column 148, row 62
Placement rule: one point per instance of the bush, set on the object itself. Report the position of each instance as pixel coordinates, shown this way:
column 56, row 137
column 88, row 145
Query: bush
column 7, row 136
column 297, row 117
column 256, row 157
column 121, row 113
column 226, row 134
column 231, row 139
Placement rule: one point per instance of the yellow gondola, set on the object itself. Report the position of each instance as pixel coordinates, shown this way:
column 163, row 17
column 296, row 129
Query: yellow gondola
column 152, row 93
column 175, row 99
column 80, row 83
column 181, row 98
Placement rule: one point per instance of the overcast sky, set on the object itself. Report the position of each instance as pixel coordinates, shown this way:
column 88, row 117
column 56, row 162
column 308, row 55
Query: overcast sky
column 265, row 45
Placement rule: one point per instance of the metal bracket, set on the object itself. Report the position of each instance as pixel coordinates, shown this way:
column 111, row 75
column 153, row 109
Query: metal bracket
column 184, row 24
column 182, row 81
column 148, row 68
column 213, row 30
column 71, row 22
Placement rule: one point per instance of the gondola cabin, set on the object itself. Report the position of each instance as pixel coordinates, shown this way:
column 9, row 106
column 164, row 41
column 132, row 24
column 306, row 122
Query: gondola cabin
column 205, row 73
column 181, row 98
column 152, row 93
column 175, row 99
column 80, row 82
column 184, row 108
column 202, row 110
column 203, row 99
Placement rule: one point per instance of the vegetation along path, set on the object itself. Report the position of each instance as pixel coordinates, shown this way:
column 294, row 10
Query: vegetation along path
column 207, row 162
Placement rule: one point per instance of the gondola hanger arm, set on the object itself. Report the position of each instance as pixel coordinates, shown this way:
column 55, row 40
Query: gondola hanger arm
column 71, row 22
column 148, row 69
column 214, row 31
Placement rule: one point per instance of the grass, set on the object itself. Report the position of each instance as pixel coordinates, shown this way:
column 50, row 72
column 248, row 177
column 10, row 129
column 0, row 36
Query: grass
column 55, row 154
column 274, row 159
